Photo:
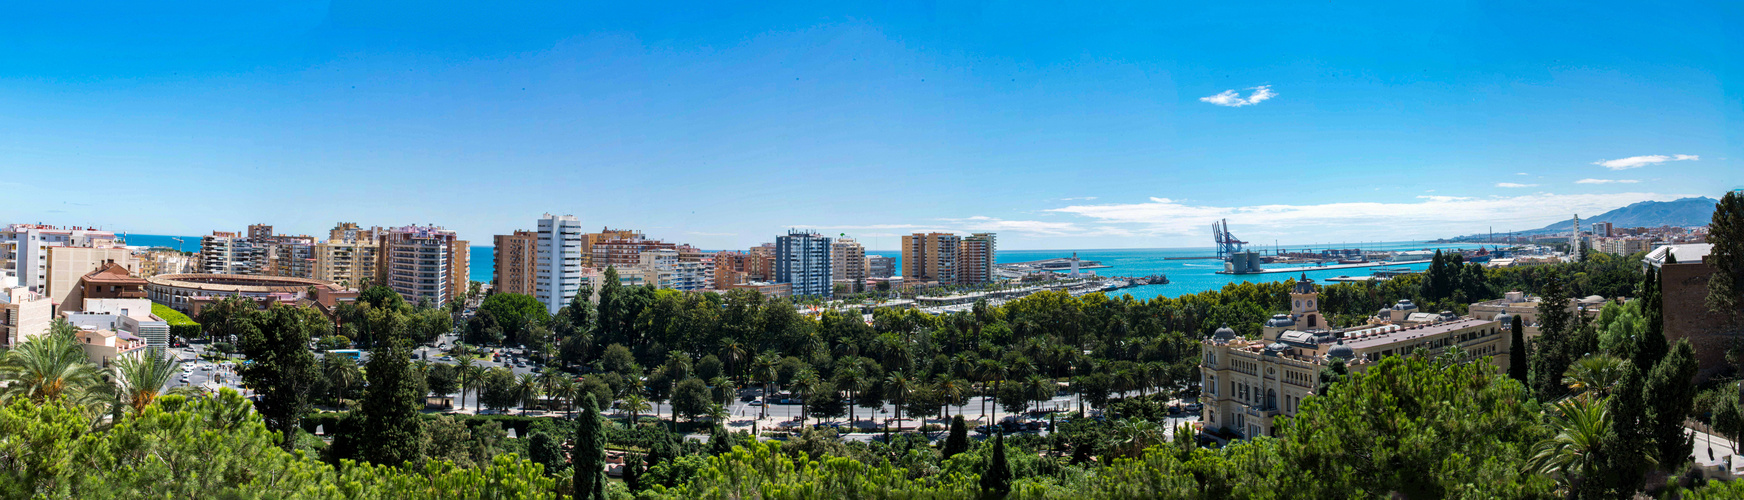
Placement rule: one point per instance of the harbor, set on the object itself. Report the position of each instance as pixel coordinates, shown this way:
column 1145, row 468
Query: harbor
column 1276, row 270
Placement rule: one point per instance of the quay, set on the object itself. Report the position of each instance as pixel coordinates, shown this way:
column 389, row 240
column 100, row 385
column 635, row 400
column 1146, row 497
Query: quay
column 1323, row 268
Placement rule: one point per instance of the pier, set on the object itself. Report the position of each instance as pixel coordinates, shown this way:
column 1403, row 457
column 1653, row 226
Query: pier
column 1325, row 268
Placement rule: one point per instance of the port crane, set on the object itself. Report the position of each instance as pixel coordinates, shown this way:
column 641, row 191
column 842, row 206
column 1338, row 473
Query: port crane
column 1227, row 244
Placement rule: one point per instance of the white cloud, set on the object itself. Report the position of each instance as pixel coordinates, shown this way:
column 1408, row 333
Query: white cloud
column 1233, row 99
column 1606, row 181
column 1521, row 173
column 1514, row 185
column 1434, row 215
column 1080, row 198
column 1642, row 161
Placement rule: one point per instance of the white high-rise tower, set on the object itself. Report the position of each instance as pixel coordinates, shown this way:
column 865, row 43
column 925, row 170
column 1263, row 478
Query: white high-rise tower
column 557, row 269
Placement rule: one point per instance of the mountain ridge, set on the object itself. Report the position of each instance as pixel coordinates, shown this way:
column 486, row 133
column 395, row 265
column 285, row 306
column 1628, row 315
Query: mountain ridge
column 1697, row 211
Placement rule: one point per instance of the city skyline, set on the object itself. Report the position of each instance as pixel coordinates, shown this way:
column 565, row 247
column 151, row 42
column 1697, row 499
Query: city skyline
column 1057, row 127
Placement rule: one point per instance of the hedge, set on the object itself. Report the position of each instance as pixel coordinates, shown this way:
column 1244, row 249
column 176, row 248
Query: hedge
column 180, row 324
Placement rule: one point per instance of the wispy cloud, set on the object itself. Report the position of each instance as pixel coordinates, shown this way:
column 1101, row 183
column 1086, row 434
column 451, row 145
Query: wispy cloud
column 1521, row 173
column 1442, row 215
column 1233, row 99
column 1642, row 161
column 1606, row 181
column 1080, row 198
column 1514, row 185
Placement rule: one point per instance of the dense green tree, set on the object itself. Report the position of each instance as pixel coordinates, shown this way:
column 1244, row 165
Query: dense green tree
column 515, row 313
column 1670, row 397
column 389, row 427
column 958, row 441
column 442, row 379
column 1628, row 451
column 588, row 457
column 1726, row 234
column 1518, row 351
column 545, row 450
column 691, row 398
column 996, row 479
column 281, row 370
column 1556, row 345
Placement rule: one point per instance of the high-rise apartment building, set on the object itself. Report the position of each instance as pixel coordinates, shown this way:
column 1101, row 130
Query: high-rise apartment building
column 516, row 262
column 880, row 266
column 848, row 261
column 292, row 256
column 625, row 252
column 557, row 271
column 225, row 252
column 975, row 266
column 24, row 251
column 1603, row 229
column 348, row 256
column 606, row 233
column 931, row 258
column 760, row 263
column 802, row 259
column 423, row 262
column 23, row 314
column 666, row 268
column 729, row 269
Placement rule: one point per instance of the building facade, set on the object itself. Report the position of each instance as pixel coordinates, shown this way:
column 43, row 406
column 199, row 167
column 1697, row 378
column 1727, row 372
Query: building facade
column 557, row 268
column 930, row 258
column 802, row 259
column 347, row 262
column 515, row 262
column 848, row 262
column 23, row 314
column 880, row 266
column 25, row 249
column 423, row 262
column 978, row 253
column 1246, row 384
column 625, row 252
column 66, row 265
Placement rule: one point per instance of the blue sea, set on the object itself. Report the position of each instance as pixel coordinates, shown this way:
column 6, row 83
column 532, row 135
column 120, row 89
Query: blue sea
column 1185, row 276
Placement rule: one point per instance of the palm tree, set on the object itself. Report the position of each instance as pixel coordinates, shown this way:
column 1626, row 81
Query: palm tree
column 719, row 414
column 527, row 387
column 1575, row 452
column 949, row 389
column 635, row 404
column 803, row 384
column 852, row 379
column 766, row 368
column 468, row 378
column 51, row 366
column 1596, row 373
column 475, row 376
column 342, row 371
column 549, row 378
column 139, row 376
column 896, row 387
column 568, row 390
column 1133, row 436
column 990, row 371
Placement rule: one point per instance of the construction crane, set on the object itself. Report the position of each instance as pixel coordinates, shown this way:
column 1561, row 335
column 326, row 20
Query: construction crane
column 178, row 243
column 1227, row 244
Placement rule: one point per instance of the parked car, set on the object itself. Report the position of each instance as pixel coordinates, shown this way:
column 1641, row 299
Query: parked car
column 1195, row 407
column 756, row 402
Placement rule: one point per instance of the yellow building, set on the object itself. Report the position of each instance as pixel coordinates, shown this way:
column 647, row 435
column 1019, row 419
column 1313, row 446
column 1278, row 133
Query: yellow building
column 346, row 262
column 1247, row 383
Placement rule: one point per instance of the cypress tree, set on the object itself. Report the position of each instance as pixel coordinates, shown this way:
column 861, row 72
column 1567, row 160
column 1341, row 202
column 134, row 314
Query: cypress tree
column 1670, row 397
column 392, row 427
column 1726, row 233
column 1626, row 449
column 1552, row 354
column 718, row 444
column 633, row 473
column 1653, row 347
column 997, row 478
column 958, row 441
column 1519, row 351
column 589, row 456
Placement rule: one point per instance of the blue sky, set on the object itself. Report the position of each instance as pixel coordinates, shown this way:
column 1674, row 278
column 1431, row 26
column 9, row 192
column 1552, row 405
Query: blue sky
column 1057, row 125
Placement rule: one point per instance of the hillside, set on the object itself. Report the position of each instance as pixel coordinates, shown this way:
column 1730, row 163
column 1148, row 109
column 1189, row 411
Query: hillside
column 1684, row 212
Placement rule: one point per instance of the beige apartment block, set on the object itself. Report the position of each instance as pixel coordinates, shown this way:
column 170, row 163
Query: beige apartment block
column 66, row 265
column 23, row 314
column 516, row 263
column 931, row 257
column 848, row 261
column 345, row 262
